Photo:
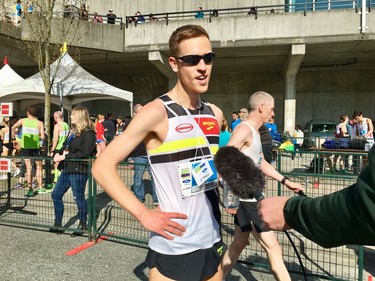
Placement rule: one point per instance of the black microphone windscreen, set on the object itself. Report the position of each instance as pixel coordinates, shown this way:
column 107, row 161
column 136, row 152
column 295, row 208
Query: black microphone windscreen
column 240, row 172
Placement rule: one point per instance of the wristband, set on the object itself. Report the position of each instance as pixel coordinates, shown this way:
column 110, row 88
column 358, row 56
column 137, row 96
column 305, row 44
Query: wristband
column 284, row 180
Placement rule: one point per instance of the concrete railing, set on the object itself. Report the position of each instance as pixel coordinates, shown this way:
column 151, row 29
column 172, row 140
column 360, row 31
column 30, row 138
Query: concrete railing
column 255, row 11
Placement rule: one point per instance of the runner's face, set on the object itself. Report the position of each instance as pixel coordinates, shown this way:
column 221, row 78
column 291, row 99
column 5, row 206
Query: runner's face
column 268, row 108
column 193, row 78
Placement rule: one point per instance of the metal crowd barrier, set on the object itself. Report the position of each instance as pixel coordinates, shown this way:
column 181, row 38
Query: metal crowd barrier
column 106, row 218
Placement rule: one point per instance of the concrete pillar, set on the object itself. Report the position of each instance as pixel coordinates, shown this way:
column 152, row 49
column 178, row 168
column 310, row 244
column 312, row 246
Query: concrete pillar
column 160, row 61
column 297, row 52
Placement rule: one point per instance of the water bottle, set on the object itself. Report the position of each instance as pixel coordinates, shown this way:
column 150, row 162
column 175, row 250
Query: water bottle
column 230, row 200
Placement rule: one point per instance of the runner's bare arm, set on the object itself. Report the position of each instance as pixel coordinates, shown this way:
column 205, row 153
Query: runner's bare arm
column 148, row 124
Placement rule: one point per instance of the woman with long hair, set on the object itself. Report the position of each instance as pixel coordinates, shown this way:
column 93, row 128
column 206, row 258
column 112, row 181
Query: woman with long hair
column 80, row 144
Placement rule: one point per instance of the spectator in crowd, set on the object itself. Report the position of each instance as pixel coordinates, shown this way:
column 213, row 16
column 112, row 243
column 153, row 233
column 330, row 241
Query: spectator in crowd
column 120, row 126
column 68, row 12
column 30, row 8
column 5, row 137
column 80, row 144
column 109, row 129
column 18, row 13
column 139, row 157
column 100, row 138
column 215, row 13
column 364, row 131
column 364, row 126
column 151, row 17
column 139, row 17
column 243, row 113
column 272, row 127
column 253, row 11
column 199, row 14
column 266, row 140
column 111, row 17
column 32, row 134
column 97, row 18
column 246, row 138
column 354, row 160
column 224, row 133
column 60, row 133
column 83, row 14
column 7, row 145
column 342, row 136
column 235, row 120
column 110, row 117
column 185, row 243
column 340, row 218
column 298, row 136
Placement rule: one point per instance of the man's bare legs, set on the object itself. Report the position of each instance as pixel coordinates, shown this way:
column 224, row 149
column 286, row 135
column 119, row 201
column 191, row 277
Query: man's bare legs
column 155, row 275
column 29, row 176
column 39, row 173
column 268, row 242
column 29, row 173
column 240, row 241
column 274, row 252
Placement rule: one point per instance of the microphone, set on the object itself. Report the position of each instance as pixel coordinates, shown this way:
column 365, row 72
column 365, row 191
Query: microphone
column 244, row 178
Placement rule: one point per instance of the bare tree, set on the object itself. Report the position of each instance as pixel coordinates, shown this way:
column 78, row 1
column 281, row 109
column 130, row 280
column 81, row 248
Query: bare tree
column 48, row 26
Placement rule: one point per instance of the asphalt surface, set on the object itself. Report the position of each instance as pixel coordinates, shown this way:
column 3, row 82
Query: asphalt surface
column 29, row 254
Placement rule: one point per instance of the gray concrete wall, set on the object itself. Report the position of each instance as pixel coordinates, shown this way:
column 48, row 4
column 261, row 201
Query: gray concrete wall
column 245, row 31
column 320, row 94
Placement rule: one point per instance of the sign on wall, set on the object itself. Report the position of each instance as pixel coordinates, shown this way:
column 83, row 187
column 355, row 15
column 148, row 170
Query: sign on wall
column 6, row 109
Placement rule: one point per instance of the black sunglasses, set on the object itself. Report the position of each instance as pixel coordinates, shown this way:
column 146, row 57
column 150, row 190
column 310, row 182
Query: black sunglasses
column 195, row 59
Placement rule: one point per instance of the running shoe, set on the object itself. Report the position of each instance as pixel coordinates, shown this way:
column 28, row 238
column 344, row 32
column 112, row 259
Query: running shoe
column 44, row 190
column 18, row 186
column 30, row 193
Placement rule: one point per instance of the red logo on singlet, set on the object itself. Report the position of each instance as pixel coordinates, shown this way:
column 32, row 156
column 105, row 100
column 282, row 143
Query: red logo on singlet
column 184, row 128
column 208, row 125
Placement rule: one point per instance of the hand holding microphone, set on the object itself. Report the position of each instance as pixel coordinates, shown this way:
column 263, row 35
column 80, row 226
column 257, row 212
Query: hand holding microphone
column 239, row 171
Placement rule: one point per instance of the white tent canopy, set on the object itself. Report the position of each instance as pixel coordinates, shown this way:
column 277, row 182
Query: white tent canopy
column 72, row 85
column 8, row 76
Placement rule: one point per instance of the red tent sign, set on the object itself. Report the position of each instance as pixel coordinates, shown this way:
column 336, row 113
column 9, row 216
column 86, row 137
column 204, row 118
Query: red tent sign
column 6, row 109
column 5, row 165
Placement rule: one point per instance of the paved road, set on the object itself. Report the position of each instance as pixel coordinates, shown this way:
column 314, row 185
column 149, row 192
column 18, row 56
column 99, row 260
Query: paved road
column 27, row 254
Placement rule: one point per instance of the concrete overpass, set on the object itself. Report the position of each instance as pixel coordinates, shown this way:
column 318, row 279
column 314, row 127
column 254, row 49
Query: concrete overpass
column 317, row 66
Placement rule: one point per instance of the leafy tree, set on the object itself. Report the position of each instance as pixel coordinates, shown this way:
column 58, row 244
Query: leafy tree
column 47, row 26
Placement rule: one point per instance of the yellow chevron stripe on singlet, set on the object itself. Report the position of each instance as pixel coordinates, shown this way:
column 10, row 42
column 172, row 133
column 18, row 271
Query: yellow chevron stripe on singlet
column 179, row 145
column 214, row 149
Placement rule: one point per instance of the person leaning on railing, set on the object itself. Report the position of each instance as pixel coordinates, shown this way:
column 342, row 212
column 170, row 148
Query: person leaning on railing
column 343, row 217
column 111, row 17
